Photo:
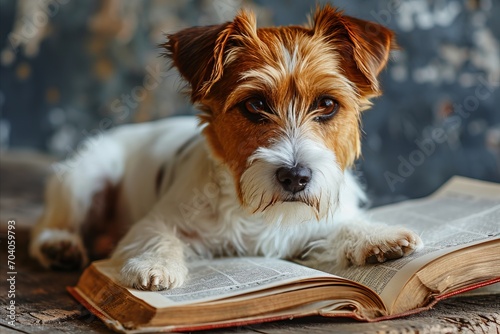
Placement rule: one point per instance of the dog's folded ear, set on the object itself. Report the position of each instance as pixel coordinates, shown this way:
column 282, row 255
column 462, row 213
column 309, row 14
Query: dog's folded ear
column 199, row 52
column 364, row 46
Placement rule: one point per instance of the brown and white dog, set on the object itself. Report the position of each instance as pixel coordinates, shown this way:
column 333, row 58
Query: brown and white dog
column 264, row 170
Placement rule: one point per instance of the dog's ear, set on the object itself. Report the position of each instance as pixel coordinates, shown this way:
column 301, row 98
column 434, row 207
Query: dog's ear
column 364, row 46
column 199, row 52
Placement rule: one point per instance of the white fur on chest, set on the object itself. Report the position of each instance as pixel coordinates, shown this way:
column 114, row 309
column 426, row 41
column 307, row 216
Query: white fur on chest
column 198, row 199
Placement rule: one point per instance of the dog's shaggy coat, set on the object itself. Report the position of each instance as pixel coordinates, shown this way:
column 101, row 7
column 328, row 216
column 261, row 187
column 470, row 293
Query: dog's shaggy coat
column 264, row 170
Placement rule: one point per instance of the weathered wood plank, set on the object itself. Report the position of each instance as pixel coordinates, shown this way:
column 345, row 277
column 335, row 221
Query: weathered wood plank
column 42, row 303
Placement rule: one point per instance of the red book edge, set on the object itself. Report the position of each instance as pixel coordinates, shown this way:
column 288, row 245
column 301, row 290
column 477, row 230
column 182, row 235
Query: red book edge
column 436, row 299
column 117, row 326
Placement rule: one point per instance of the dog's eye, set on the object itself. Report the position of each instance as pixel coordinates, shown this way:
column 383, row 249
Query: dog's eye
column 254, row 109
column 254, row 105
column 326, row 108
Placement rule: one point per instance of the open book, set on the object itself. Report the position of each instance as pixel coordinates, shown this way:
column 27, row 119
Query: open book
column 459, row 224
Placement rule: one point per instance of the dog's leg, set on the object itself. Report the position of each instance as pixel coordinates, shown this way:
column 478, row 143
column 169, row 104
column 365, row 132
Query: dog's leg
column 151, row 256
column 359, row 242
column 56, row 240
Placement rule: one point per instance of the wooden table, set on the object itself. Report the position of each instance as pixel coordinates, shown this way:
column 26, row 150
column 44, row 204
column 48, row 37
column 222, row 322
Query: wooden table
column 44, row 306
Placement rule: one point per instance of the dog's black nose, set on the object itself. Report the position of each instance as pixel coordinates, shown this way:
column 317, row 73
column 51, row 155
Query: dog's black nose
column 294, row 179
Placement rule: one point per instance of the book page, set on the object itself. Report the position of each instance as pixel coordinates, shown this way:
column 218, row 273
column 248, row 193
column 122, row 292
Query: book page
column 455, row 215
column 462, row 213
column 216, row 279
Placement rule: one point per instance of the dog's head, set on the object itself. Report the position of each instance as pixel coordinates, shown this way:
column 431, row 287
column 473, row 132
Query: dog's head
column 281, row 106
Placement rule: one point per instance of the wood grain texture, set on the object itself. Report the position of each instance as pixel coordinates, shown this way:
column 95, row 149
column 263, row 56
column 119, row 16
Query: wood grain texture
column 44, row 306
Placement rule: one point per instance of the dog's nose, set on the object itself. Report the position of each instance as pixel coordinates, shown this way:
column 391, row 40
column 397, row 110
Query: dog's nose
column 294, row 179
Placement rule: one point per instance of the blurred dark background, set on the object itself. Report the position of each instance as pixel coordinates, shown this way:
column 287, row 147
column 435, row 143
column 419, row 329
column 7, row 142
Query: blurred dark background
column 71, row 69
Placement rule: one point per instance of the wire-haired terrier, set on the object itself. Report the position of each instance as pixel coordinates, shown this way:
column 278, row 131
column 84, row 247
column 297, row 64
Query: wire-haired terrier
column 263, row 170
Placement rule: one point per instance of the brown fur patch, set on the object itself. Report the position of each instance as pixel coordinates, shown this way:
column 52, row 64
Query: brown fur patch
column 101, row 229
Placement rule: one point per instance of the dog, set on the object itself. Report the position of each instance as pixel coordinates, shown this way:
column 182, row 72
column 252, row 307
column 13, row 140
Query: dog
column 264, row 170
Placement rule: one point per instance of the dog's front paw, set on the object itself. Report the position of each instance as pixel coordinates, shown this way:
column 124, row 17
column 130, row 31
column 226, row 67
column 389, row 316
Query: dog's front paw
column 153, row 274
column 386, row 243
column 58, row 249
